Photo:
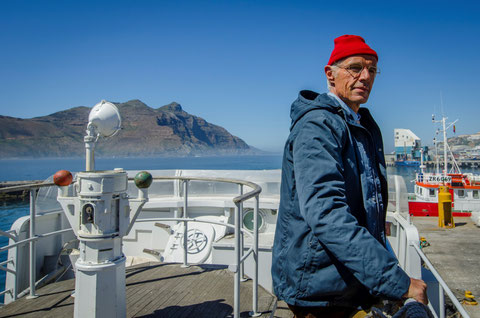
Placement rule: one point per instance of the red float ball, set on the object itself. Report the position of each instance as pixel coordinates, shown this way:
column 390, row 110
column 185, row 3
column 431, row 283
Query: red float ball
column 62, row 178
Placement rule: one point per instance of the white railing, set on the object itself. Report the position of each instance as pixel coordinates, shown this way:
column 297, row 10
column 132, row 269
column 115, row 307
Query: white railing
column 240, row 256
column 238, row 267
column 31, row 240
column 405, row 242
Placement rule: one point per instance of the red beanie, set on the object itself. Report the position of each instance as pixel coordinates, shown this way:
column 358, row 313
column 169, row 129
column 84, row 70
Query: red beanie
column 348, row 45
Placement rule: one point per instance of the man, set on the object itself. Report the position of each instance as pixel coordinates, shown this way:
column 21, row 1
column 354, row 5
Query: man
column 329, row 254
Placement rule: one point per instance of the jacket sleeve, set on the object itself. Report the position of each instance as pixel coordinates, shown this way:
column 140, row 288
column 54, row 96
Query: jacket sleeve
column 318, row 166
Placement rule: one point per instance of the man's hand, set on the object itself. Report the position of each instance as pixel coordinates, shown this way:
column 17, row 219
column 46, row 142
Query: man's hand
column 417, row 291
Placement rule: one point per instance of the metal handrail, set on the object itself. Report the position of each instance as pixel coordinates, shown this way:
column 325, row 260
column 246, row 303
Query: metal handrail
column 237, row 268
column 400, row 221
column 9, row 235
column 440, row 280
column 240, row 198
column 30, row 186
column 34, row 238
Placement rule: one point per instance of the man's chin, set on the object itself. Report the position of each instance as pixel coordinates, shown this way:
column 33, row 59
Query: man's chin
column 360, row 99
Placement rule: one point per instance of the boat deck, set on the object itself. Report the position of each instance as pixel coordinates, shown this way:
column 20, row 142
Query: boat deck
column 158, row 290
column 455, row 253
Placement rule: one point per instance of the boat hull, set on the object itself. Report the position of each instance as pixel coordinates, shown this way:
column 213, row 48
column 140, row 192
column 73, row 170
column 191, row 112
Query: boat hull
column 430, row 209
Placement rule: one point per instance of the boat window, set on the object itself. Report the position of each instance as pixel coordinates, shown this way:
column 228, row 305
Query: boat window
column 431, row 192
column 461, row 193
column 475, row 194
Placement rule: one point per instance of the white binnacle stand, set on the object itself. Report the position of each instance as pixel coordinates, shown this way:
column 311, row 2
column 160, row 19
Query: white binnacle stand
column 100, row 214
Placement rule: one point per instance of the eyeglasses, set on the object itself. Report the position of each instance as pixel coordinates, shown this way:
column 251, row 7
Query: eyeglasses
column 355, row 70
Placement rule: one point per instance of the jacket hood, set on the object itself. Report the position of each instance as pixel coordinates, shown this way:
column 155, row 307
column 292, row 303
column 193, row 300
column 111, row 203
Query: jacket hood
column 309, row 100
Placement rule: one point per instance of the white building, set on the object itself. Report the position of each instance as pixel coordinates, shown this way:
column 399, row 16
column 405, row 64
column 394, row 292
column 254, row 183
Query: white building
column 407, row 144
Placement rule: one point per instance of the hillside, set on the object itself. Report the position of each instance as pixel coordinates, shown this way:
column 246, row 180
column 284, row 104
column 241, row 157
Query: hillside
column 146, row 131
column 467, row 141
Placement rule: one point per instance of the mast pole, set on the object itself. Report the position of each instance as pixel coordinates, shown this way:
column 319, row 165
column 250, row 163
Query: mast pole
column 444, row 147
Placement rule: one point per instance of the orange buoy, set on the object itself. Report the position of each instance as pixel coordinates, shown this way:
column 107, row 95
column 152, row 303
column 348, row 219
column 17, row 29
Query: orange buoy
column 62, row 178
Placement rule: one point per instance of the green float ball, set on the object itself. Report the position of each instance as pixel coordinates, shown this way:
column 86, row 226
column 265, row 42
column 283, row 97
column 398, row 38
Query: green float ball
column 143, row 179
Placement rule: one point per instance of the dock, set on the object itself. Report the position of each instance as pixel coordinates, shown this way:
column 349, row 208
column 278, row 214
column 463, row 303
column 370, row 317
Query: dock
column 455, row 254
column 464, row 163
column 159, row 290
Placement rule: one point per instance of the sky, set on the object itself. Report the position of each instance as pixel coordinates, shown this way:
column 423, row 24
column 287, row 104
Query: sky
column 240, row 64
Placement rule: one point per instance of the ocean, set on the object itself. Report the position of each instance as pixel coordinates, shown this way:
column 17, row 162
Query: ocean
column 40, row 169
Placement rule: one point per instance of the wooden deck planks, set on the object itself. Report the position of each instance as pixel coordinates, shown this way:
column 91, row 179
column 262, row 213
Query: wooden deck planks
column 155, row 290
column 54, row 297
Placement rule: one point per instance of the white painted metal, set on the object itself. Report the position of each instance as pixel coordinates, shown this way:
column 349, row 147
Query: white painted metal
column 105, row 119
column 242, row 264
column 236, row 279
column 100, row 214
column 406, row 235
column 33, row 267
column 185, row 223
column 397, row 194
column 255, row 312
column 89, row 141
column 441, row 299
column 442, row 283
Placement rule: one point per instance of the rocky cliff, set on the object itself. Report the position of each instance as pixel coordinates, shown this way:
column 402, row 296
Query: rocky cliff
column 146, row 131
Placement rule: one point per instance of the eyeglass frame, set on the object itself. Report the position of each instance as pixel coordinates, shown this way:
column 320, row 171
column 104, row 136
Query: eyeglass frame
column 357, row 75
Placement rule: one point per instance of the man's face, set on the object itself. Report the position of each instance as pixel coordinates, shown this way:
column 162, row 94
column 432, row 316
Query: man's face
column 352, row 79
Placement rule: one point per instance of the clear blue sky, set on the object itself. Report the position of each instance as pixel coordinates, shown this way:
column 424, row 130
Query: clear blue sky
column 239, row 64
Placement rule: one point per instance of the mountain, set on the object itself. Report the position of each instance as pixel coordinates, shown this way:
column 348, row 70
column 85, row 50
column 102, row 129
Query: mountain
column 146, row 131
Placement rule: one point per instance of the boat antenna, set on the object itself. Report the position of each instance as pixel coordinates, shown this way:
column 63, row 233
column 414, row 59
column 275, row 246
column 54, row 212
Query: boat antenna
column 441, row 104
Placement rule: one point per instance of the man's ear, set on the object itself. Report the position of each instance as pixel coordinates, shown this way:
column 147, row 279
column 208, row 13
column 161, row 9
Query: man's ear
column 329, row 74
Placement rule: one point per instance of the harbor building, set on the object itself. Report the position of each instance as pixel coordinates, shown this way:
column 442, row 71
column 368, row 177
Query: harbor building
column 408, row 148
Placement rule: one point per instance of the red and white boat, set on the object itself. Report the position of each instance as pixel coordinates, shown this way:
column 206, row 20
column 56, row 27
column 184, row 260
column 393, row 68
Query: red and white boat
column 464, row 188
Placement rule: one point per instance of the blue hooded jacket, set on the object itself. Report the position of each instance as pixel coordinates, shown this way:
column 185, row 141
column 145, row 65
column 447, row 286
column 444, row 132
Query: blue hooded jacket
column 329, row 247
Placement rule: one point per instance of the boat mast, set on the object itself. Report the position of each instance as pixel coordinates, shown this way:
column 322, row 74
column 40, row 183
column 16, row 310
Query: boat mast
column 422, row 166
column 437, row 164
column 445, row 144
column 445, row 159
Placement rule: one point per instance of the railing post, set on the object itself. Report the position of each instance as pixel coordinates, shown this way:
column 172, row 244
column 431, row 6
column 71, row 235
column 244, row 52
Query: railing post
column 397, row 194
column 242, row 265
column 255, row 312
column 33, row 198
column 236, row 287
column 399, row 228
column 185, row 223
column 441, row 301
column 15, row 282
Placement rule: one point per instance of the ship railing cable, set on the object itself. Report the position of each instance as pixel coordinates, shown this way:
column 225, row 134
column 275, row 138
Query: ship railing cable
column 240, row 255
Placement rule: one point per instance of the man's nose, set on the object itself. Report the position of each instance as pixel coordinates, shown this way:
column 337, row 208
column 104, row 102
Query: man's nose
column 365, row 74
